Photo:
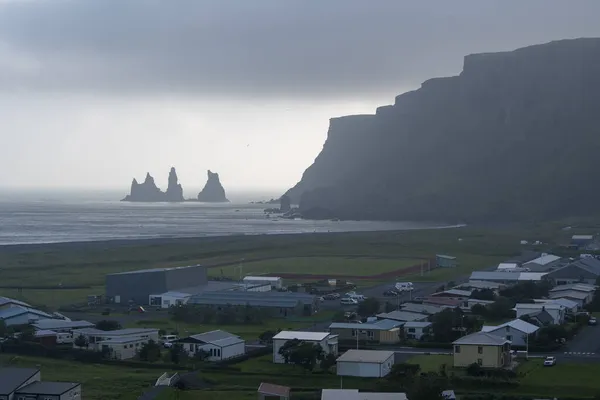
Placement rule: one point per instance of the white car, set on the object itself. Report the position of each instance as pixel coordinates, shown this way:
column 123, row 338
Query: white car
column 549, row 361
column 167, row 345
column 349, row 301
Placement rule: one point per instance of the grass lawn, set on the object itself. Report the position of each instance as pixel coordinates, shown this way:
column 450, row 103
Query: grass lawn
column 339, row 266
column 99, row 382
column 432, row 362
column 563, row 379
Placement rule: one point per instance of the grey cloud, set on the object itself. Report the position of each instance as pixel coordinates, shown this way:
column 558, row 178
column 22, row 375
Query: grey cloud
column 264, row 47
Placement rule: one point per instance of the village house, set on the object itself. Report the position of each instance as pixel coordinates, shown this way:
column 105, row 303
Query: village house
column 328, row 342
column 517, row 331
column 384, row 331
column 218, row 345
column 483, row 348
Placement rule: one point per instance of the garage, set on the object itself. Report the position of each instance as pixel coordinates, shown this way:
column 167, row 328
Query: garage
column 365, row 363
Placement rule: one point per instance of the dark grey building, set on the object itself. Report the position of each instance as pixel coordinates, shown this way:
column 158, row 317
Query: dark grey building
column 280, row 303
column 137, row 286
column 585, row 270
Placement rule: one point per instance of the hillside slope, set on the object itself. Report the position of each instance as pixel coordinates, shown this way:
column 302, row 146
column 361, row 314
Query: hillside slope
column 515, row 136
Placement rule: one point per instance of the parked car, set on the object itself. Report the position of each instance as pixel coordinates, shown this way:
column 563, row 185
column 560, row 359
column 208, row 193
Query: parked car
column 349, row 301
column 592, row 321
column 390, row 293
column 167, row 339
column 549, row 361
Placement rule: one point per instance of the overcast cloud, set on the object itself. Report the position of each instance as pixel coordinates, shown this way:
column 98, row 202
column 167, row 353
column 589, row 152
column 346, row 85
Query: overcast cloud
column 84, row 80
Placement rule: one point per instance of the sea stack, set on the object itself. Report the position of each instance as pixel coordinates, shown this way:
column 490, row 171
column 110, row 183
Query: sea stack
column 213, row 191
column 174, row 191
column 148, row 192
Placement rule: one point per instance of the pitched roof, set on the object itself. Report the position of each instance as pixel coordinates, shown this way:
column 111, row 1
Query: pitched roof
column 366, row 356
column 151, row 270
column 12, row 312
column 402, row 316
column 573, row 294
column 51, row 323
column 482, row 338
column 542, row 316
column 582, row 237
column 354, row 394
column 379, row 325
column 531, row 276
column 443, row 301
column 49, row 388
column 271, row 389
column 564, row 302
column 257, row 299
column 11, row 378
column 8, row 300
column 118, row 332
column 517, row 324
column 300, row 335
column 217, row 337
column 494, row 276
column 539, row 306
column 421, row 308
column 582, row 287
column 544, row 259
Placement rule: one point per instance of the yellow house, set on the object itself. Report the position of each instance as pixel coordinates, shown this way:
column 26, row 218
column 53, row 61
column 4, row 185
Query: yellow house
column 485, row 349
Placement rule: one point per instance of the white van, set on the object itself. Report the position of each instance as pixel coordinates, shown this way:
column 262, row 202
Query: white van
column 349, row 301
column 404, row 286
column 168, row 338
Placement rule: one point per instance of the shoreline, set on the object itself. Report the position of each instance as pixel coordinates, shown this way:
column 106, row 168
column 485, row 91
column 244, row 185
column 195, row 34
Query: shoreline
column 161, row 241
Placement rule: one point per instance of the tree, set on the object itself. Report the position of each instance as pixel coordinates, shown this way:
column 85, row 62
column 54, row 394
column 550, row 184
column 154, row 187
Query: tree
column 178, row 354
column 368, row 307
column 108, row 325
column 150, row 351
column 501, row 308
column 267, row 336
column 81, row 341
column 483, row 294
column 328, row 361
column 304, row 354
column 3, row 329
column 339, row 316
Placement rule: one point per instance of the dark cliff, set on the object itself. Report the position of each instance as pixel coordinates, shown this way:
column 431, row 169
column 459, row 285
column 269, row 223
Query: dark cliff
column 213, row 191
column 148, row 192
column 515, row 136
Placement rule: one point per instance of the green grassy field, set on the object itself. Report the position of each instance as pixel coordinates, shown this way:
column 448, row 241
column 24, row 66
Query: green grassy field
column 99, row 382
column 357, row 253
column 340, row 265
column 431, row 363
column 563, row 379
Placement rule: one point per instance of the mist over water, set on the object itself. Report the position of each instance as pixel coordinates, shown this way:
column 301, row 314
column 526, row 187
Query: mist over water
column 28, row 217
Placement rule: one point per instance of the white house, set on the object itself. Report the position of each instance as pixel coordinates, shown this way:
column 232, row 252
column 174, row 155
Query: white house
column 516, row 331
column 416, row 329
column 96, row 338
column 275, row 281
column 365, row 363
column 121, row 348
column 354, row 394
column 555, row 310
column 218, row 344
column 327, row 341
column 580, row 293
column 570, row 306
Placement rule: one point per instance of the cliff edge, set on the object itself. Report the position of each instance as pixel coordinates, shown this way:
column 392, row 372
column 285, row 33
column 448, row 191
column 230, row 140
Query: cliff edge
column 513, row 137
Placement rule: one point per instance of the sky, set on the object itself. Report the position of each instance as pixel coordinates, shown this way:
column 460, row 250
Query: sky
column 96, row 92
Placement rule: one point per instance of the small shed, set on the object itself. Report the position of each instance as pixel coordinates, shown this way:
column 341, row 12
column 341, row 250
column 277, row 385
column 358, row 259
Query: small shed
column 365, row 363
column 270, row 390
column 444, row 261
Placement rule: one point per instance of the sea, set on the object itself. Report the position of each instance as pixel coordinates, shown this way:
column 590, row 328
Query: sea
column 55, row 217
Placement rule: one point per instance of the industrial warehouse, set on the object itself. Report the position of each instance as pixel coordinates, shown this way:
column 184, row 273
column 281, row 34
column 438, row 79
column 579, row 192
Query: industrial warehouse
column 167, row 287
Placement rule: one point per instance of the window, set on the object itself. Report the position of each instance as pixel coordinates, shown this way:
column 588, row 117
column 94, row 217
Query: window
column 411, row 330
column 353, row 332
column 479, row 361
column 507, row 328
column 371, row 334
column 508, row 337
column 457, row 349
column 480, row 349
